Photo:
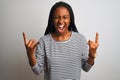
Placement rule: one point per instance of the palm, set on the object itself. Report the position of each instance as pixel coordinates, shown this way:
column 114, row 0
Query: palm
column 29, row 44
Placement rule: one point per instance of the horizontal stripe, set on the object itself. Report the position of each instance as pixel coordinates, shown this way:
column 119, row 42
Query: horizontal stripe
column 64, row 59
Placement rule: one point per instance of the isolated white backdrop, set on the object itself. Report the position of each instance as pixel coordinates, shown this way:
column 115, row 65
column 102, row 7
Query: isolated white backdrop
column 30, row 16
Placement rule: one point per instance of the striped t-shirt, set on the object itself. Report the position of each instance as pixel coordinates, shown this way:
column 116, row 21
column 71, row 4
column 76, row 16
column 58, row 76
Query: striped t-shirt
column 62, row 60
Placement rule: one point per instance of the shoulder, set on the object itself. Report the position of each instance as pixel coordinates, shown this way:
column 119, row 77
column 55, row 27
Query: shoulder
column 45, row 37
column 78, row 35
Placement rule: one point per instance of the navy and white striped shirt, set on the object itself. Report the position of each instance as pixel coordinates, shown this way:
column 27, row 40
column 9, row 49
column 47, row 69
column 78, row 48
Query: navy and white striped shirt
column 62, row 60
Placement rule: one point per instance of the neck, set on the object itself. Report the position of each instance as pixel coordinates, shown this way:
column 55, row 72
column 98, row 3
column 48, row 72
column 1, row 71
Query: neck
column 61, row 37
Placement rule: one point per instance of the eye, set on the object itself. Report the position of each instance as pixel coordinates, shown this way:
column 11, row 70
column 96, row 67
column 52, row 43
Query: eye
column 56, row 17
column 65, row 17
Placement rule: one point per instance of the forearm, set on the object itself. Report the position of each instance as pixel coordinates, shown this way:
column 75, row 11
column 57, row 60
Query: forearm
column 91, row 59
column 92, row 50
column 32, row 60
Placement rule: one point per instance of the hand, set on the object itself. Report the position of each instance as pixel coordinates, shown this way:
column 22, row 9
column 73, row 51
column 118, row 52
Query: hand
column 93, row 47
column 30, row 45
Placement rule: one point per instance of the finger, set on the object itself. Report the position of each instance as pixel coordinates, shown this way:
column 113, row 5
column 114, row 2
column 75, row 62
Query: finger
column 35, row 44
column 89, row 42
column 25, row 38
column 30, row 43
column 96, row 38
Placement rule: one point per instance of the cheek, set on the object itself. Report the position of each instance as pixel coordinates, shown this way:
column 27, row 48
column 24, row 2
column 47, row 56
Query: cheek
column 55, row 23
column 68, row 22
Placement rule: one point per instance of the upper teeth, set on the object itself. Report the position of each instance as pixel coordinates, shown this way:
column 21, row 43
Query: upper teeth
column 61, row 26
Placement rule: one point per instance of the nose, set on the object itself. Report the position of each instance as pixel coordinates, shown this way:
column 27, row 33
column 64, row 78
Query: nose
column 60, row 21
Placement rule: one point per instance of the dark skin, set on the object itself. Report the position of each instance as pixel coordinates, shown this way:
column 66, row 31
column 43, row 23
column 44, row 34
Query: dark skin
column 93, row 45
column 61, row 22
column 30, row 48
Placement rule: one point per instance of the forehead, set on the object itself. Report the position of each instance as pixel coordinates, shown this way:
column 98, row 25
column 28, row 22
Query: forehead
column 61, row 10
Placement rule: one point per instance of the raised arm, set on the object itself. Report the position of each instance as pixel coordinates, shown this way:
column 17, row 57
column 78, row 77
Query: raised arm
column 93, row 45
column 30, row 49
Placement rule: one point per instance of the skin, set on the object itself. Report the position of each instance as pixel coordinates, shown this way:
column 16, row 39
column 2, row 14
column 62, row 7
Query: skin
column 30, row 49
column 61, row 18
column 93, row 45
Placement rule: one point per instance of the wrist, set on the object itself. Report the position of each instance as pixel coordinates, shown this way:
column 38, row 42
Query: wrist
column 90, row 61
column 92, row 56
column 32, row 60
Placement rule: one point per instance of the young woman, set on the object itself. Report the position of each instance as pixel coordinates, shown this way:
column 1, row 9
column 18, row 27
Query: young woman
column 62, row 52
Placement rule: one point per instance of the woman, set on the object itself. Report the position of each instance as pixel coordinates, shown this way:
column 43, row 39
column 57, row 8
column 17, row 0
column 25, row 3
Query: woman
column 62, row 52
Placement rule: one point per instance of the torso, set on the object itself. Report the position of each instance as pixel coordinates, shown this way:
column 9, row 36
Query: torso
column 64, row 56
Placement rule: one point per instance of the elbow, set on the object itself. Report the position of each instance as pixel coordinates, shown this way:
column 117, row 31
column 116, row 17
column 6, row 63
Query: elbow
column 86, row 69
column 37, row 72
column 37, row 69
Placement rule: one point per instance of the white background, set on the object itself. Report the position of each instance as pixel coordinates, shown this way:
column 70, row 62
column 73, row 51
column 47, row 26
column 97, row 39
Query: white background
column 31, row 16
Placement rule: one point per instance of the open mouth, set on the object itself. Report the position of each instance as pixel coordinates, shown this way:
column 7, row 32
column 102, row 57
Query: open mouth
column 61, row 28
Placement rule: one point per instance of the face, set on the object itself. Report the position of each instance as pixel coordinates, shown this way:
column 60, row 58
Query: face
column 61, row 19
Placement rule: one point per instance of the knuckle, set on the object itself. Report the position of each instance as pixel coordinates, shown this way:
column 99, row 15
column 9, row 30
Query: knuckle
column 29, row 46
